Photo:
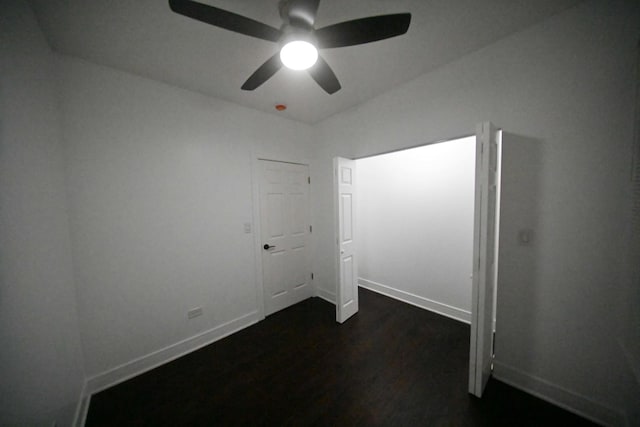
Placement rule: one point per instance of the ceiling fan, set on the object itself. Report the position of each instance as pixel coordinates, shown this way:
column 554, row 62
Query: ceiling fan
column 298, row 39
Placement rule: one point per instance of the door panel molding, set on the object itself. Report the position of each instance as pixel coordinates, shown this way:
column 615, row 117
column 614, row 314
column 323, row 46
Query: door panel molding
column 345, row 199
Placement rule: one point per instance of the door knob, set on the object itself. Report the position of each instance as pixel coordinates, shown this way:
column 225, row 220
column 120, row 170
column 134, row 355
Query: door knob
column 267, row 247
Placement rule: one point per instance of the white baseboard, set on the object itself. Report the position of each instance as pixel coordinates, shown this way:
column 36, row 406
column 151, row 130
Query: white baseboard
column 327, row 296
column 422, row 302
column 152, row 360
column 559, row 396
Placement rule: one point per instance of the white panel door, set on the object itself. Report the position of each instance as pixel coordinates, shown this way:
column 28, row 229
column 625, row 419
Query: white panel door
column 345, row 197
column 485, row 265
column 285, row 228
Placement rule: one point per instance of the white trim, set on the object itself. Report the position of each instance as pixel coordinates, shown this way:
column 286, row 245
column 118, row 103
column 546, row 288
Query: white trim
column 280, row 158
column 82, row 408
column 83, row 411
column 152, row 360
column 416, row 300
column 559, row 396
column 419, row 145
column 327, row 295
column 257, row 235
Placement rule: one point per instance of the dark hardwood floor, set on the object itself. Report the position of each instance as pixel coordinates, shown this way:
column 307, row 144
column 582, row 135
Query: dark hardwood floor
column 391, row 365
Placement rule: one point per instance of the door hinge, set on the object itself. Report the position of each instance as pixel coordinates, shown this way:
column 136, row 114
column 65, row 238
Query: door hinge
column 309, row 179
column 311, row 276
column 311, row 229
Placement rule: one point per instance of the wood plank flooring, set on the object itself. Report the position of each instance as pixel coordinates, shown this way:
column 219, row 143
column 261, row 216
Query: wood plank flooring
column 391, row 365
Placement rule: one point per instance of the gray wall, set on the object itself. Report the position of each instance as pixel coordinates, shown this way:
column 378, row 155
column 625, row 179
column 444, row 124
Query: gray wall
column 563, row 92
column 149, row 168
column 41, row 367
column 159, row 183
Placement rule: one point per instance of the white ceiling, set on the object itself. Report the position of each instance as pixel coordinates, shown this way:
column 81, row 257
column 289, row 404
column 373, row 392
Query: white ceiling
column 144, row 37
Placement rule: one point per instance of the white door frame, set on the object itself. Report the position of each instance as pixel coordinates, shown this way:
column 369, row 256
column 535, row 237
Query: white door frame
column 485, row 260
column 256, row 174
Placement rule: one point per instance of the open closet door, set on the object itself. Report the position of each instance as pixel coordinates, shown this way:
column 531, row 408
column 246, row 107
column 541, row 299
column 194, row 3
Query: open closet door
column 484, row 260
column 347, row 268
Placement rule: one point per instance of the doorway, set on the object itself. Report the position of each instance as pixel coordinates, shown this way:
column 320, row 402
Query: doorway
column 284, row 233
column 415, row 225
column 477, row 259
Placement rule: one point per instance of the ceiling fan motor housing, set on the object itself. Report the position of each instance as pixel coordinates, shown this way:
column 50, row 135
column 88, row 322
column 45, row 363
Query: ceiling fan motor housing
column 291, row 33
column 296, row 15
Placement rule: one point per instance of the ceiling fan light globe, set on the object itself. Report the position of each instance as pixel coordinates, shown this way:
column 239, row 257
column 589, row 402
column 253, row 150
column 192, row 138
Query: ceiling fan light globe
column 298, row 55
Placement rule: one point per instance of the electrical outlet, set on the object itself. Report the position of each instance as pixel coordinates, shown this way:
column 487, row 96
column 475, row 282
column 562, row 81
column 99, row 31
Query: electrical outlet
column 194, row 312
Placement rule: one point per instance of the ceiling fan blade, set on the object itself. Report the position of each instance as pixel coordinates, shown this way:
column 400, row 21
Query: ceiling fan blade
column 223, row 19
column 364, row 30
column 324, row 76
column 302, row 13
column 263, row 73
